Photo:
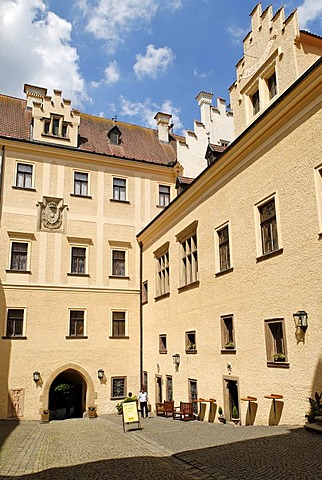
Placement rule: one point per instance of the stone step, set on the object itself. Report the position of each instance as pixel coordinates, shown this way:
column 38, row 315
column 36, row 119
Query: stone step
column 318, row 419
column 313, row 426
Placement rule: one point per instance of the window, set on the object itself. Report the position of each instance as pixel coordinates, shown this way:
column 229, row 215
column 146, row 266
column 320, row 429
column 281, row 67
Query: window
column 272, row 86
column 81, row 183
column 227, row 333
column 193, row 394
column 118, row 324
column 118, row 263
column 24, row 175
column 15, row 322
column 255, row 102
column 162, row 343
column 189, row 259
column 119, row 189
column 223, row 246
column 19, row 256
column 78, row 263
column 56, row 126
column 169, row 388
column 191, row 346
column 268, row 226
column 164, row 195
column 76, row 323
column 114, row 136
column 145, row 291
column 118, row 387
column 163, row 283
column 275, row 341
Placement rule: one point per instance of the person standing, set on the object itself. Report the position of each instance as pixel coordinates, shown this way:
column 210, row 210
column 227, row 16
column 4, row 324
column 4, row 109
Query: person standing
column 143, row 399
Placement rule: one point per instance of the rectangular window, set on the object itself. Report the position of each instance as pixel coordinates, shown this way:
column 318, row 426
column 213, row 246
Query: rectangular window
column 275, row 340
column 119, row 189
column 164, row 195
column 118, row 387
column 76, row 323
column 272, row 86
column 169, row 388
column 191, row 346
column 24, row 175
column 163, row 282
column 15, row 322
column 162, row 343
column 255, row 102
column 55, row 124
column 223, row 246
column 227, row 332
column 268, row 226
column 19, row 256
column 81, row 183
column 189, row 260
column 118, row 263
column 193, row 394
column 78, row 263
column 145, row 291
column 118, row 324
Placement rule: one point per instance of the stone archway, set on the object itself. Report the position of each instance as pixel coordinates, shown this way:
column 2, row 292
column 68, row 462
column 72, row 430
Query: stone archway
column 74, row 374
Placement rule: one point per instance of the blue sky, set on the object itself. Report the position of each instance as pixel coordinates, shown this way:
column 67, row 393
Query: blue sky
column 131, row 58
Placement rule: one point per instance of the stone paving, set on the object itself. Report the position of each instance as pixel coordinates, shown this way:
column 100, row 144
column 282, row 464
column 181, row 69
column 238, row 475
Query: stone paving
column 98, row 449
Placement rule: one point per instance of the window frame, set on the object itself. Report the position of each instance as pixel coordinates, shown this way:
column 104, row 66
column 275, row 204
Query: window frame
column 218, row 263
column 228, row 342
column 164, row 198
column 118, row 377
column 86, row 249
column 272, row 348
column 256, row 103
column 32, row 175
column 145, row 292
column 269, row 87
column 82, row 172
column 23, row 329
column 163, row 343
column 125, row 251
column 49, row 126
column 84, row 320
column 28, row 255
column 189, row 257
column 191, row 341
column 162, row 272
column 261, row 253
column 126, row 333
column 125, row 187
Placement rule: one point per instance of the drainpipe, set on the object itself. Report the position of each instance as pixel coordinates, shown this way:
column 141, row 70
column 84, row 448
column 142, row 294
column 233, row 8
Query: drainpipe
column 141, row 316
column 2, row 154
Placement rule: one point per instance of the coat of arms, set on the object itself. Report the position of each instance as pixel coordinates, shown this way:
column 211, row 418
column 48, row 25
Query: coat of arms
column 51, row 216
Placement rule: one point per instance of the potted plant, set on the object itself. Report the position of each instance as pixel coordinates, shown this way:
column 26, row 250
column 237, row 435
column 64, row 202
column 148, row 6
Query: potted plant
column 191, row 346
column 229, row 345
column 119, row 408
column 221, row 417
column 45, row 416
column 279, row 357
column 235, row 415
column 92, row 411
column 315, row 407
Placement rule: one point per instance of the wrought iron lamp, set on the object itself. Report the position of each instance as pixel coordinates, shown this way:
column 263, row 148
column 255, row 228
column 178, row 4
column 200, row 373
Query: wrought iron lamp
column 36, row 376
column 300, row 319
column 176, row 360
column 100, row 373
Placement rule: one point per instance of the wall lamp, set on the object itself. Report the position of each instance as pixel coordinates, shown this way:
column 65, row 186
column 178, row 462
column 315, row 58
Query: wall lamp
column 36, row 377
column 100, row 373
column 176, row 360
column 300, row 319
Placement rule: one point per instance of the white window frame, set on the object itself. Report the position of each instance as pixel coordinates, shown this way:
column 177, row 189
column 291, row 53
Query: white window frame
column 78, row 245
column 18, row 239
column 78, row 170
column 22, row 162
column 119, row 310
column 162, row 184
column 217, row 254
column 258, row 233
column 126, row 259
column 78, row 309
column 120, row 177
column 23, row 322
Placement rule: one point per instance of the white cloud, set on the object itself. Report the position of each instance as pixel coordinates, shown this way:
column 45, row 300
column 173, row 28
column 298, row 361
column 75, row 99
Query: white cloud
column 201, row 74
column 112, row 20
column 309, row 11
column 237, row 33
column 112, row 74
column 146, row 111
column 38, row 51
column 154, row 62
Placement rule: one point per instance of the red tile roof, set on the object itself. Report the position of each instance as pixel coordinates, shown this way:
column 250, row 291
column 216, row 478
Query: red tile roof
column 137, row 143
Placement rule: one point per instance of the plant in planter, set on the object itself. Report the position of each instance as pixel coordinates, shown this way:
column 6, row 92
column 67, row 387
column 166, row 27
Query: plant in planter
column 235, row 415
column 92, row 411
column 221, row 417
column 191, row 346
column 119, row 408
column 315, row 407
column 279, row 357
column 229, row 346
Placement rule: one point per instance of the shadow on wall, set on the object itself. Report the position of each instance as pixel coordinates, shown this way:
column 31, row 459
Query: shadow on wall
column 317, row 380
column 7, row 398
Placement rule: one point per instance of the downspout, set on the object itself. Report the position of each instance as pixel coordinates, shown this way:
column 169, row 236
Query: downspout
column 2, row 155
column 141, row 317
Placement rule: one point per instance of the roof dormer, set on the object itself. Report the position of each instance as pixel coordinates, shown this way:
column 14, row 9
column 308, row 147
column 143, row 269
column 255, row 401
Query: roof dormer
column 114, row 135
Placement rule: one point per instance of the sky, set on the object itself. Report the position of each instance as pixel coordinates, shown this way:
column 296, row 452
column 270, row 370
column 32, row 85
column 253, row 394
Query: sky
column 131, row 58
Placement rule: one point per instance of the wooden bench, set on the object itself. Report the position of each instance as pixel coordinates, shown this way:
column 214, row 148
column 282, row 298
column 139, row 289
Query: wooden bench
column 184, row 412
column 166, row 408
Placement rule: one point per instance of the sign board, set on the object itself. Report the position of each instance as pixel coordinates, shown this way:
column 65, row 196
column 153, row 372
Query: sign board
column 130, row 413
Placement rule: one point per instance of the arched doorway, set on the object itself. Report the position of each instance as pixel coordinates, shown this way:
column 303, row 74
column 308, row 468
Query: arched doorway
column 67, row 395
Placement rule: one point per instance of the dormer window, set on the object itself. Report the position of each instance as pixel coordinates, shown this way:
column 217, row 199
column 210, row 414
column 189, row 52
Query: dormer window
column 256, row 102
column 55, row 126
column 114, row 136
column 272, row 86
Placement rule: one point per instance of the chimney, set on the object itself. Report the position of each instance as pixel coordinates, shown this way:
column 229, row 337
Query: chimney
column 162, row 120
column 204, row 101
column 34, row 93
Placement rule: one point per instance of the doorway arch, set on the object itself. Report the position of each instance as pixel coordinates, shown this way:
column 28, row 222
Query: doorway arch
column 82, row 393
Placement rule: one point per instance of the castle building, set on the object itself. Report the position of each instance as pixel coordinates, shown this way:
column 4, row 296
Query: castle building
column 231, row 269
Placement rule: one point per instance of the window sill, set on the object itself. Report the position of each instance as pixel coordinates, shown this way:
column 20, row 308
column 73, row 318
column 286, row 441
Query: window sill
column 15, row 187
column 117, row 398
column 122, row 337
column 79, row 195
column 163, row 352
column 223, row 272
column 164, row 295
column 275, row 253
column 119, row 276
column 228, row 350
column 191, row 351
column 162, row 206
column 145, row 302
column 120, row 201
column 71, row 274
column 18, row 271
column 60, row 137
column 76, row 337
column 273, row 364
column 189, row 286
column 6, row 337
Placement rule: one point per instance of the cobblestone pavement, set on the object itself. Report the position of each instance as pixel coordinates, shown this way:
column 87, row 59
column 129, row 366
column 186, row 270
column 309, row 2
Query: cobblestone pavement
column 98, row 449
